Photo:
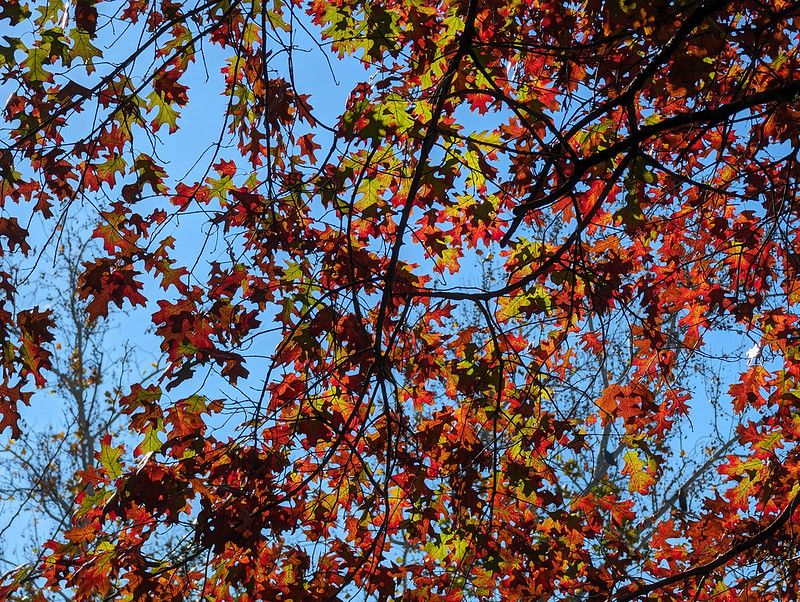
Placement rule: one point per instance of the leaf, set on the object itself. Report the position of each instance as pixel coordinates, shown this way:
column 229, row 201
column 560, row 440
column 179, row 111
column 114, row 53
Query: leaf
column 103, row 283
column 166, row 114
column 631, row 214
column 14, row 11
column 86, row 16
column 37, row 58
column 747, row 392
column 308, row 146
column 109, row 457
column 641, row 473
column 151, row 442
column 7, row 52
column 10, row 397
column 524, row 304
column 83, row 48
column 108, row 170
column 15, row 234
column 35, row 328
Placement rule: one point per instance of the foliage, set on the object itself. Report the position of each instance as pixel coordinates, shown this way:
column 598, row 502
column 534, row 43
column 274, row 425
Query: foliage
column 631, row 168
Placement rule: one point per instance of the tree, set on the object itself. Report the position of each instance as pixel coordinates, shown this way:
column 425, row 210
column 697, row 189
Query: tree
column 342, row 414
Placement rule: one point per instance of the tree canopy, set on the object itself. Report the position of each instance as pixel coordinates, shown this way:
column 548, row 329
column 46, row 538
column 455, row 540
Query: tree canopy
column 448, row 340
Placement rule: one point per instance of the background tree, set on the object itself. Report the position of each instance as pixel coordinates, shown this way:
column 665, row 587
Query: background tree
column 41, row 470
column 330, row 422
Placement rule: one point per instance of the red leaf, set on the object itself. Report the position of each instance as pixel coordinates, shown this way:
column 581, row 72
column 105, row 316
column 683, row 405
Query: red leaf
column 104, row 282
column 16, row 235
column 86, row 16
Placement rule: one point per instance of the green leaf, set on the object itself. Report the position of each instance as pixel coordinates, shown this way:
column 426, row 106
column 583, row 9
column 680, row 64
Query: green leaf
column 37, row 57
column 112, row 166
column 151, row 443
column 49, row 12
column 83, row 48
column 7, row 52
column 293, row 272
column 631, row 213
column 166, row 112
column 109, row 459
